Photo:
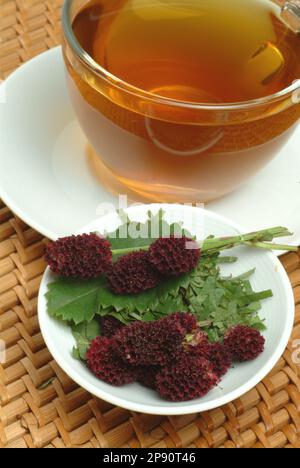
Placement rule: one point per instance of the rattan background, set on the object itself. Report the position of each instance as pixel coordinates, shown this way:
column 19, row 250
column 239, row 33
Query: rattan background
column 39, row 405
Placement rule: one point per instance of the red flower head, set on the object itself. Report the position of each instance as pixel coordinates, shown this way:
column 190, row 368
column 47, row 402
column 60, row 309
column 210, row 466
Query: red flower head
column 132, row 274
column 109, row 325
column 187, row 379
column 106, row 365
column 85, row 256
column 186, row 320
column 146, row 376
column 150, row 343
column 220, row 358
column 244, row 343
column 173, row 256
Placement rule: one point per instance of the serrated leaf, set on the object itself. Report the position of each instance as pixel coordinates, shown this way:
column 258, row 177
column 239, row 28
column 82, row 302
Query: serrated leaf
column 76, row 354
column 160, row 298
column 132, row 234
column 73, row 301
column 84, row 334
column 219, row 302
column 142, row 301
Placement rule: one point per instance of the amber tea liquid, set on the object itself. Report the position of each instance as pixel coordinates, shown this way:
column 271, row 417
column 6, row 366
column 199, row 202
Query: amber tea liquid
column 194, row 51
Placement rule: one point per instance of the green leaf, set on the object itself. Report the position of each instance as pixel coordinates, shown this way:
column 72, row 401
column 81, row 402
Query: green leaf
column 84, row 334
column 223, row 302
column 246, row 275
column 133, row 235
column 224, row 259
column 74, row 301
column 164, row 298
column 218, row 302
column 254, row 297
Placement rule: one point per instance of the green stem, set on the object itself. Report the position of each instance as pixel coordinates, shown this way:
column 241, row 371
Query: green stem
column 227, row 259
column 270, row 246
column 259, row 239
column 129, row 250
column 204, row 324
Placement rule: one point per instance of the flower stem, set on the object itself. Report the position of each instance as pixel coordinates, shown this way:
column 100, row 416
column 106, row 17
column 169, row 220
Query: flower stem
column 129, row 250
column 258, row 239
column 205, row 323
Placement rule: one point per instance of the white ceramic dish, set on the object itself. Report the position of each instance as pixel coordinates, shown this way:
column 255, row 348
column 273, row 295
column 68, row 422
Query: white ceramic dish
column 46, row 180
column 277, row 311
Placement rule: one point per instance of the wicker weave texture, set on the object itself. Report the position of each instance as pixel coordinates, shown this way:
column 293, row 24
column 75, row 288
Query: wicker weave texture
column 27, row 28
column 39, row 405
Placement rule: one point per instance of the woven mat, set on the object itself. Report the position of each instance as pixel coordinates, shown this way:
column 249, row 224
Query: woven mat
column 39, row 405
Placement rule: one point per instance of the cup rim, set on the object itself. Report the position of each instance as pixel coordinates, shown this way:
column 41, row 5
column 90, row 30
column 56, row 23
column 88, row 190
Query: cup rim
column 140, row 93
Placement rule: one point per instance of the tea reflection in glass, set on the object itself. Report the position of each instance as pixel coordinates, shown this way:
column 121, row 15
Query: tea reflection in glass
column 183, row 100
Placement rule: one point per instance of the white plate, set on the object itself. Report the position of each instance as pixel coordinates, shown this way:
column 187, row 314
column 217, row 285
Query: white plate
column 46, row 180
column 277, row 311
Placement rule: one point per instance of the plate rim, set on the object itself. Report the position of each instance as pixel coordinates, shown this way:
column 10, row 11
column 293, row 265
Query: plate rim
column 199, row 407
column 4, row 195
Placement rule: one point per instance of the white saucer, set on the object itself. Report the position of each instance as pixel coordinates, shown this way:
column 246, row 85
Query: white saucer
column 277, row 311
column 46, row 180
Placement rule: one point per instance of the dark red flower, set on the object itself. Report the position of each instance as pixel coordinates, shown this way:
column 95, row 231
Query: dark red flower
column 107, row 365
column 201, row 350
column 84, row 256
column 186, row 320
column 150, row 343
column 146, row 375
column 173, row 256
column 132, row 274
column 109, row 325
column 220, row 358
column 244, row 343
column 187, row 379
column 197, row 338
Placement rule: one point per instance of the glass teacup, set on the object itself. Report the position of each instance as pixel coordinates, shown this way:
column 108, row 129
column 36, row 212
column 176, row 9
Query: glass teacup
column 167, row 149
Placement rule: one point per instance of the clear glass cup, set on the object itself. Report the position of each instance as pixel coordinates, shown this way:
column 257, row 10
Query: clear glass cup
column 169, row 150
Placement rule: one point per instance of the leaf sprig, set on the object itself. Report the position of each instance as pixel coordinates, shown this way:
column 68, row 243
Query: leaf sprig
column 217, row 302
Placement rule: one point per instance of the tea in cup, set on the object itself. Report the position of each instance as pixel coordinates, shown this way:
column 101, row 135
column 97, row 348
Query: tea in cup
column 184, row 100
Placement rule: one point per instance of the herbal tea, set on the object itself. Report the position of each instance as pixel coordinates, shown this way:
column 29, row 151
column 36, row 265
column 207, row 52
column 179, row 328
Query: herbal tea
column 193, row 51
